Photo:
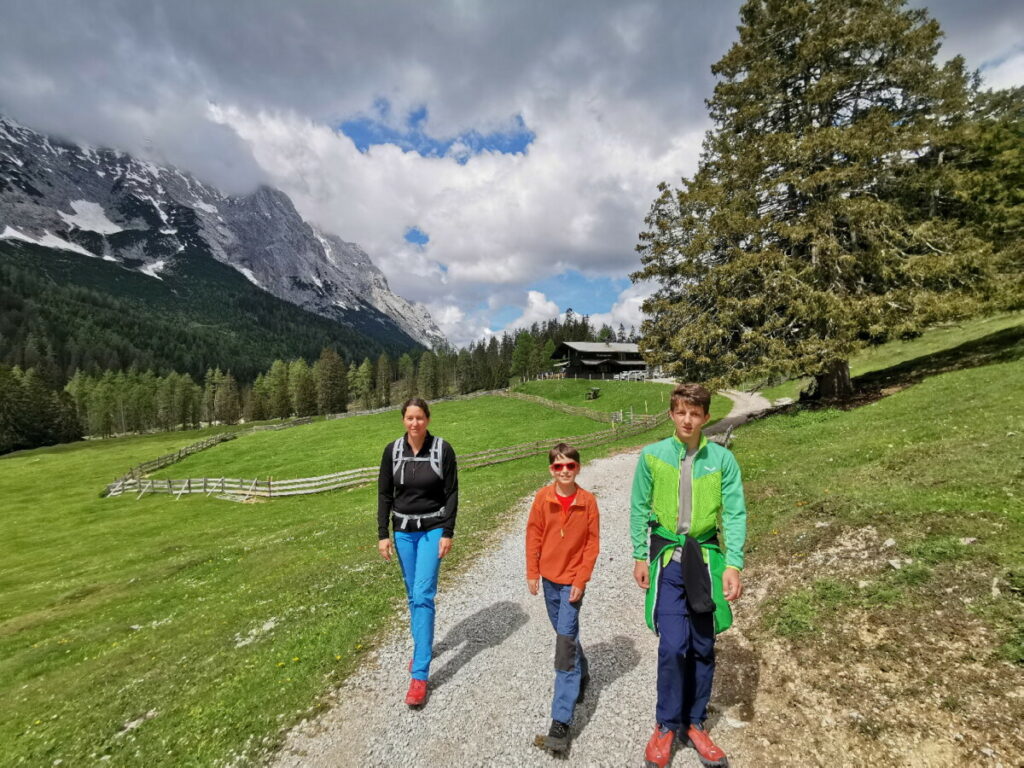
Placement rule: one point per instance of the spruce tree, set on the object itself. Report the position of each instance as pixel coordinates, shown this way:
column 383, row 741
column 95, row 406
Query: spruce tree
column 364, row 385
column 331, row 382
column 545, row 363
column 257, row 405
column 227, row 404
column 12, row 412
column 280, row 396
column 805, row 233
column 383, row 389
column 303, row 388
column 406, row 377
column 523, row 355
column 465, row 381
column 426, row 378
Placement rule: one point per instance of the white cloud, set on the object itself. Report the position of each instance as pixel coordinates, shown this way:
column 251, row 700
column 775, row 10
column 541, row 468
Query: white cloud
column 626, row 309
column 612, row 90
column 576, row 199
column 1007, row 73
column 539, row 308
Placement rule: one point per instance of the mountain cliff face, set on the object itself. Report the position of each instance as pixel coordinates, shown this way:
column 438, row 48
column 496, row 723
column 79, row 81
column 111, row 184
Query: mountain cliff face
column 103, row 204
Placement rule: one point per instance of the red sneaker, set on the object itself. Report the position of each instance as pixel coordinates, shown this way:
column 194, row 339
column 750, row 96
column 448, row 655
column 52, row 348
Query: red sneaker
column 659, row 748
column 709, row 753
column 417, row 695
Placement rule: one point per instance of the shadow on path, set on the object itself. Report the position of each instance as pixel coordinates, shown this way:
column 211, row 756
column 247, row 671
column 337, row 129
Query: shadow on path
column 608, row 662
column 486, row 628
column 737, row 678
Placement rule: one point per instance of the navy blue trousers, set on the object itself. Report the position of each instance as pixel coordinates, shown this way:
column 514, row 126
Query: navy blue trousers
column 686, row 654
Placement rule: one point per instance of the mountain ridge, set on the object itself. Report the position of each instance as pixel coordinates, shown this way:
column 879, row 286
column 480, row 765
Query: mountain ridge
column 106, row 204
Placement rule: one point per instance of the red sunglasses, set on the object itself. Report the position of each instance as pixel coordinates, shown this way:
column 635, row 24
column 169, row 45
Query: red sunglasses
column 570, row 465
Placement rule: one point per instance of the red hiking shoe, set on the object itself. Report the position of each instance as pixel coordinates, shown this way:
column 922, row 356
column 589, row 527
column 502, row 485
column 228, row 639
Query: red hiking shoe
column 417, row 695
column 709, row 753
column 659, row 748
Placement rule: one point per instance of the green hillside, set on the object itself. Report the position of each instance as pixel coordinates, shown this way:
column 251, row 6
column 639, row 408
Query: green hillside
column 225, row 622
column 228, row 620
column 888, row 545
column 643, row 397
column 332, row 446
column 932, row 341
column 96, row 315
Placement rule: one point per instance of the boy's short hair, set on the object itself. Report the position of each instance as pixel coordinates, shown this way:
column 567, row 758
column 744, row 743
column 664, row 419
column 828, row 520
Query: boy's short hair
column 563, row 449
column 691, row 394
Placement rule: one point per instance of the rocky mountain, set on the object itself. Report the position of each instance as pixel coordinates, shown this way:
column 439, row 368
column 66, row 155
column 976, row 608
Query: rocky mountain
column 103, row 204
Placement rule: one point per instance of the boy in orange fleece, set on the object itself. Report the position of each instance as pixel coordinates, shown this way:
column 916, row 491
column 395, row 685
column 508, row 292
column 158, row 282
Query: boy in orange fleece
column 562, row 542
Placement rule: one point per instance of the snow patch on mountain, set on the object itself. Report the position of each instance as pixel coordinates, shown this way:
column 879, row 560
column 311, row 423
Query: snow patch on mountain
column 90, row 216
column 249, row 276
column 47, row 240
column 154, row 269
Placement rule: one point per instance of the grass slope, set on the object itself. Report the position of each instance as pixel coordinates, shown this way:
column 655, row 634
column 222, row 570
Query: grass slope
column 332, row 446
column 211, row 625
column 894, row 353
column 640, row 396
column 889, row 542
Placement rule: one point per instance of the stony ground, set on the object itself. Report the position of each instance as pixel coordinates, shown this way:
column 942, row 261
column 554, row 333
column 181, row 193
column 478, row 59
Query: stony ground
column 492, row 675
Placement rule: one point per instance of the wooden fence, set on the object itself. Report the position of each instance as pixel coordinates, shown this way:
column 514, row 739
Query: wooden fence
column 267, row 488
column 612, row 417
column 140, row 470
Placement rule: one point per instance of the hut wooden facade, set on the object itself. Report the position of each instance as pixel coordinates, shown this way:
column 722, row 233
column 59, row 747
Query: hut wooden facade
column 597, row 359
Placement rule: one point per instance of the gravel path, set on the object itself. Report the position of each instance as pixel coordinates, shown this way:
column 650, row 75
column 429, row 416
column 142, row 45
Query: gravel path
column 492, row 674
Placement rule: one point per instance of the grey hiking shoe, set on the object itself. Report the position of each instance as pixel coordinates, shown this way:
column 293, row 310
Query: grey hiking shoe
column 557, row 739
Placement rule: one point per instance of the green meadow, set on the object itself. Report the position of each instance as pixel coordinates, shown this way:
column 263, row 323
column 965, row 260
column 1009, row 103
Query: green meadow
column 195, row 632
column 192, row 632
column 937, row 468
column 642, row 397
column 323, row 447
column 935, row 340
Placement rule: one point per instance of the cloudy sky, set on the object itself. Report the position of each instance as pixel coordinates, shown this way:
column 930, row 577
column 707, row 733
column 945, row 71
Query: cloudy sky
column 495, row 157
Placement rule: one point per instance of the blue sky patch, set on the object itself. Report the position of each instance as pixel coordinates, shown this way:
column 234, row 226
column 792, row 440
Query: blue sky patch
column 417, row 236
column 586, row 295
column 502, row 317
column 369, row 130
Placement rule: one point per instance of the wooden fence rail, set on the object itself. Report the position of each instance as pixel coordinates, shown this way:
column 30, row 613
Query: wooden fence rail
column 252, row 487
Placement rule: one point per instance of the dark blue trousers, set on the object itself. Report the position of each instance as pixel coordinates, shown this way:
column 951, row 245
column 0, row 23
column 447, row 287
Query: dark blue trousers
column 686, row 654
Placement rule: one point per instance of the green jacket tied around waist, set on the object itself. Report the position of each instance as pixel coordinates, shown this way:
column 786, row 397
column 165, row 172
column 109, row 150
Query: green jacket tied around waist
column 716, row 492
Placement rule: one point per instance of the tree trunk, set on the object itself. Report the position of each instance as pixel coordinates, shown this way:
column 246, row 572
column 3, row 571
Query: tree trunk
column 834, row 383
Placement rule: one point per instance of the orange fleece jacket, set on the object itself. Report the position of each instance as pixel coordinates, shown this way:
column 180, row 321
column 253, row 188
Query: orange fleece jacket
column 562, row 547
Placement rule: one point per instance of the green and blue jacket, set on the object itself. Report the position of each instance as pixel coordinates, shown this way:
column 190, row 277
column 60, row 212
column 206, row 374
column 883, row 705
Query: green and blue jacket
column 716, row 487
column 716, row 492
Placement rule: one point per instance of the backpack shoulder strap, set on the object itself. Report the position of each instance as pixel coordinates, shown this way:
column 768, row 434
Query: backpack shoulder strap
column 435, row 457
column 397, row 465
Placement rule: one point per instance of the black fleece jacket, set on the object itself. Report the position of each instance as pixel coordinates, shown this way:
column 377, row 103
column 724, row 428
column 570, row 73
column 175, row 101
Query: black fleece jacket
column 422, row 492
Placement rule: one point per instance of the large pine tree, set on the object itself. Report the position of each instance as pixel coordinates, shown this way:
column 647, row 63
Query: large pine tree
column 811, row 227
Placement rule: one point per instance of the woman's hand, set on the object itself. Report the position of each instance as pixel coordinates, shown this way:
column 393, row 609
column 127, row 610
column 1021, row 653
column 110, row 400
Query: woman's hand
column 533, row 585
column 576, row 594
column 384, row 547
column 443, row 547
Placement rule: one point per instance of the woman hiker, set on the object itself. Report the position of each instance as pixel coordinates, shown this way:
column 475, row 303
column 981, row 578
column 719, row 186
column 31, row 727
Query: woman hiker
column 418, row 492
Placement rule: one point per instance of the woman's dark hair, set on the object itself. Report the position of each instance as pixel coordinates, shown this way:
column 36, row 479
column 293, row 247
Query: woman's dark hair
column 419, row 402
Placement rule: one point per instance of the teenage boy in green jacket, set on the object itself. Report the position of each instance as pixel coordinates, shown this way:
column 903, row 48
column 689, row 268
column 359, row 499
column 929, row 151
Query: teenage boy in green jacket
column 681, row 486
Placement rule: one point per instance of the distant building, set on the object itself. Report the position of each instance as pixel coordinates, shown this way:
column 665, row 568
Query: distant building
column 597, row 359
